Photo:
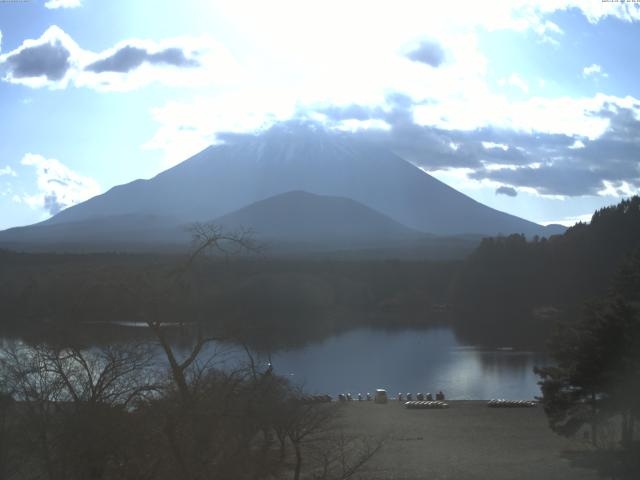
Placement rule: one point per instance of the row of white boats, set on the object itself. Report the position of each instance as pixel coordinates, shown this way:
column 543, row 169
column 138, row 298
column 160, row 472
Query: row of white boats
column 493, row 403
column 502, row 403
column 426, row 400
column 416, row 404
column 381, row 397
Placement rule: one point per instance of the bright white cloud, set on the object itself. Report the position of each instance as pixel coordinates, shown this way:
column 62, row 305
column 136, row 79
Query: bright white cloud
column 547, row 26
column 490, row 145
column 499, row 166
column 594, row 70
column 371, row 59
column 564, row 115
column 618, row 189
column 370, row 55
column 547, row 31
column 58, row 186
column 591, row 70
column 185, row 128
column 571, row 220
column 515, row 80
column 188, row 127
column 54, row 60
column 408, row 17
column 8, row 171
column 459, row 179
column 297, row 53
column 353, row 125
column 596, row 11
column 53, row 4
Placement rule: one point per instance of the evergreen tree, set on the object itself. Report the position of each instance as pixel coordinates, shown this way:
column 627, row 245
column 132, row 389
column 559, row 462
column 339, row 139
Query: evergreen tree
column 596, row 378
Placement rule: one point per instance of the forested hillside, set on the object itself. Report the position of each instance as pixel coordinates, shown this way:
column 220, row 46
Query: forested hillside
column 514, row 288
column 250, row 297
column 508, row 292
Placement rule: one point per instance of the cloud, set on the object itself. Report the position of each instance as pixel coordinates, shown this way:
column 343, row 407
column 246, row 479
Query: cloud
column 438, row 117
column 508, row 191
column 597, row 11
column 54, row 4
column 8, row 171
column 50, row 60
column 551, row 147
column 180, row 61
column 55, row 60
column 428, row 52
column 535, row 158
column 569, row 166
column 187, row 128
column 45, row 61
column 545, row 29
column 58, row 186
column 516, row 81
column 594, row 70
column 571, row 220
column 129, row 58
column 377, row 44
column 347, row 112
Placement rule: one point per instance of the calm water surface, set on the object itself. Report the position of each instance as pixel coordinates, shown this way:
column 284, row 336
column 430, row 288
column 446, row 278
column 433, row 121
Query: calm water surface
column 362, row 360
column 425, row 360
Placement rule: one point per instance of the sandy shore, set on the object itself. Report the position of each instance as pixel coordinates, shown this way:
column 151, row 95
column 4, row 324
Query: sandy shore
column 466, row 441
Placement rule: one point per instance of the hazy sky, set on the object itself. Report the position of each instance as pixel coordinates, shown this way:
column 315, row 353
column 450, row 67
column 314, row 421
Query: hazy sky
column 531, row 107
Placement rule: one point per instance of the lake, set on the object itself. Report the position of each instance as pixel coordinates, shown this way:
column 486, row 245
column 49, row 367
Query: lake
column 398, row 360
column 425, row 360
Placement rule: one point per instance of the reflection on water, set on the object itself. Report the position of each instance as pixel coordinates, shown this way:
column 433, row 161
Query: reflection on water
column 359, row 361
column 410, row 361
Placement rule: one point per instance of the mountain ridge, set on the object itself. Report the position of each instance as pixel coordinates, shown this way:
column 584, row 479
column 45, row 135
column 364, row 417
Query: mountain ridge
column 300, row 216
column 249, row 168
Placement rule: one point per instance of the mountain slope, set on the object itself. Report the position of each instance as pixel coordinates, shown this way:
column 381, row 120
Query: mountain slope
column 318, row 219
column 130, row 232
column 294, row 220
column 249, row 168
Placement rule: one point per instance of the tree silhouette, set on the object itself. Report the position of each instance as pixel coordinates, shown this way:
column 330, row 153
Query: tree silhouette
column 596, row 379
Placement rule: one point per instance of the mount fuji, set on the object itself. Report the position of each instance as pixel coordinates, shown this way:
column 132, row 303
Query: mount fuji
column 384, row 197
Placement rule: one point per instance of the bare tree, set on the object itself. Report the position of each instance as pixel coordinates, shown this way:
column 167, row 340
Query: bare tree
column 248, row 402
column 207, row 238
column 6, row 432
column 114, row 375
column 339, row 456
column 73, row 404
column 190, row 429
column 304, row 422
column 25, row 376
column 212, row 238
